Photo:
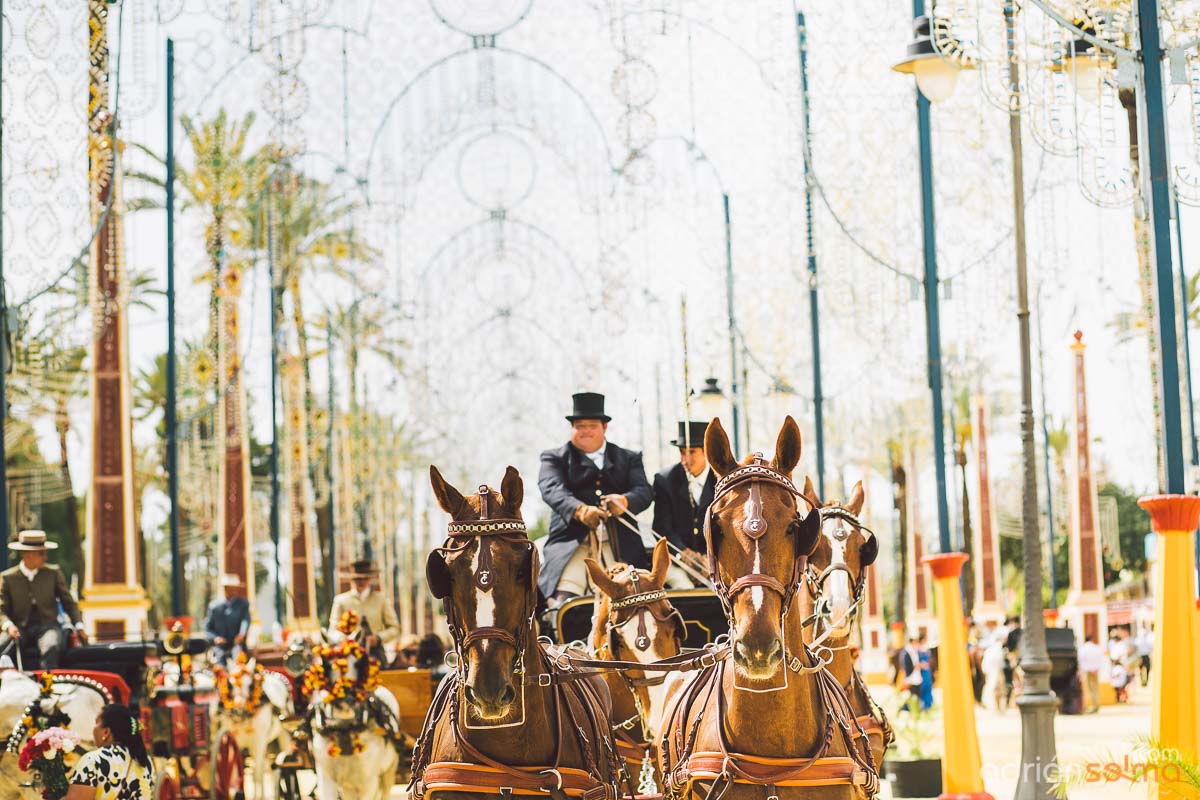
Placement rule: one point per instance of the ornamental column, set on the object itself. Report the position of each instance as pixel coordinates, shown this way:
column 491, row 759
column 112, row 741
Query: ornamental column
column 1084, row 609
column 303, row 552
column 114, row 602
column 988, row 603
column 234, row 513
column 920, row 619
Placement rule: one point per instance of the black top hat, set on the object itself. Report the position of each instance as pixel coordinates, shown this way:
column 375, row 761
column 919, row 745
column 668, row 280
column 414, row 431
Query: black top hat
column 362, row 569
column 588, row 405
column 692, row 437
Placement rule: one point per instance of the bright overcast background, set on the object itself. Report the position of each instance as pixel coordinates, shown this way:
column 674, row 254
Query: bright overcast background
column 542, row 181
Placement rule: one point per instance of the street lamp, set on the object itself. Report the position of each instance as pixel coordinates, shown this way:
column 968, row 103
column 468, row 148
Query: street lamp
column 710, row 403
column 1082, row 62
column 936, row 75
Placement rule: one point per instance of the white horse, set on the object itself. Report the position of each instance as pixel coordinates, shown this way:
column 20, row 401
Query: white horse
column 253, row 704
column 353, row 727
column 81, row 702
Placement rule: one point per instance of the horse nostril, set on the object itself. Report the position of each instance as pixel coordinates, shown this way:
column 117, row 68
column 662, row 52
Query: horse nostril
column 508, row 695
column 776, row 650
column 741, row 652
column 469, row 693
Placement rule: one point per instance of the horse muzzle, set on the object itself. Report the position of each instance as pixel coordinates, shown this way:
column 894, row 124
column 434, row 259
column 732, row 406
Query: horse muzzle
column 758, row 660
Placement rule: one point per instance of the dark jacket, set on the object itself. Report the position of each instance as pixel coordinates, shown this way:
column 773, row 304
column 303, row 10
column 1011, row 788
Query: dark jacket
column 674, row 517
column 22, row 602
column 568, row 479
column 227, row 619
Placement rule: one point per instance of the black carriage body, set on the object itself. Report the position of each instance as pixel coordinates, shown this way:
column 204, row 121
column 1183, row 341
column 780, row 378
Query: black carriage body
column 701, row 610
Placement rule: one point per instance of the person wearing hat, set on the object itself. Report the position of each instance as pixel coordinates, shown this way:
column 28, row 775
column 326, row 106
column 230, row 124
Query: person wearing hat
column 228, row 620
column 373, row 609
column 30, row 595
column 682, row 495
column 586, row 482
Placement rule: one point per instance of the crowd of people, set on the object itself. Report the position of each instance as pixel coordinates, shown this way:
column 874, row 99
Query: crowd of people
column 1124, row 659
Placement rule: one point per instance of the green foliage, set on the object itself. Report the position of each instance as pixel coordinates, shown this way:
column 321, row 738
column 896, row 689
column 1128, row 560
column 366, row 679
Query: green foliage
column 916, row 731
column 1133, row 524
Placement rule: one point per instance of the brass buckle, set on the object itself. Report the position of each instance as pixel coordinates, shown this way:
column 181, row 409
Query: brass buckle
column 708, row 660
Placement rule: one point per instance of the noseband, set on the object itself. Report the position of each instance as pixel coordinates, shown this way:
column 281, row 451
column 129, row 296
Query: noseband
column 483, row 530
column 755, row 527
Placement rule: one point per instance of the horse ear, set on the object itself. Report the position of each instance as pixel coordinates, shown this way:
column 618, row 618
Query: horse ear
column 661, row 563
column 437, row 575
column 810, row 490
column 856, row 499
column 450, row 499
column 787, row 447
column 869, row 550
column 600, row 578
column 512, row 489
column 808, row 532
column 717, row 450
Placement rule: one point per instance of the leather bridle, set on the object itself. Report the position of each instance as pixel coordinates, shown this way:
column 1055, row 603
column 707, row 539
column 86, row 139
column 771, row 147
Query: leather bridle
column 756, row 527
column 815, row 582
column 483, row 531
column 642, row 603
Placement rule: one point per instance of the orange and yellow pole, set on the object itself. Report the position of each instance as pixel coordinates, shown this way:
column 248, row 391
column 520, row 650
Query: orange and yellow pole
column 1175, row 714
column 962, row 765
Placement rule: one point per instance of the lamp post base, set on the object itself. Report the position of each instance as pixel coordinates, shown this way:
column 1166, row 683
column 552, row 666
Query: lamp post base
column 1039, row 759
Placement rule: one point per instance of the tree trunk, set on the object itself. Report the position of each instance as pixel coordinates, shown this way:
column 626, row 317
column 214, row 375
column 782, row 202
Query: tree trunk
column 900, row 504
column 968, row 575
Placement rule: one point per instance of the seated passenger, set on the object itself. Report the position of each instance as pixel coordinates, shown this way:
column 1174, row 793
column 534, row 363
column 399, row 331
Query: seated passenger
column 30, row 595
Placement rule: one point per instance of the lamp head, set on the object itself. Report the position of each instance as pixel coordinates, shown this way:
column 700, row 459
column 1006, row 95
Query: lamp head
column 936, row 75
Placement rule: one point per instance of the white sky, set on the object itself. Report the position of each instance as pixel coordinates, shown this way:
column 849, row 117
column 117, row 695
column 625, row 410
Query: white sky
column 580, row 286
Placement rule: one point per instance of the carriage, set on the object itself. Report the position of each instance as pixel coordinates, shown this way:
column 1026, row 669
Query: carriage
column 190, row 761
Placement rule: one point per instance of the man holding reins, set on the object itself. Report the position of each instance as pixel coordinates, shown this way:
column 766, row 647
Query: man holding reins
column 594, row 488
column 373, row 610
column 682, row 494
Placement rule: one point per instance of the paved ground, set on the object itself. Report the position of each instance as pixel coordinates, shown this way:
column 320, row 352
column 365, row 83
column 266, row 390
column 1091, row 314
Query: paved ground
column 1099, row 738
column 1095, row 738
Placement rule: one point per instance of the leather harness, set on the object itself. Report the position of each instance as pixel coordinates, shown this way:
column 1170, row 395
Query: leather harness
column 681, row 764
column 578, row 709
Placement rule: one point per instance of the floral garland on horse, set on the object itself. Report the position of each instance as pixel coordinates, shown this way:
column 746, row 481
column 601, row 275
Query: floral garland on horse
column 226, row 680
column 358, row 688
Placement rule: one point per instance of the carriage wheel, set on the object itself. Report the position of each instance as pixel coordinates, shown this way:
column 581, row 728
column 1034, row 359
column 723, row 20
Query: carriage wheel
column 228, row 770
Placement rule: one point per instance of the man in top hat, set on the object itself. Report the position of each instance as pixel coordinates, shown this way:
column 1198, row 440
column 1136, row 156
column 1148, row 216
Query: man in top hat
column 30, row 594
column 682, row 495
column 374, row 611
column 586, row 482
column 228, row 620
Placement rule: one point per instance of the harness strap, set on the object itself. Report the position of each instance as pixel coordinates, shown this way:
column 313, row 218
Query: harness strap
column 760, row 770
column 461, row 776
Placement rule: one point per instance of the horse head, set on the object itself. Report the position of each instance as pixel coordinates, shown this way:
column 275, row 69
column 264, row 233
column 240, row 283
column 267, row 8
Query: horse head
column 757, row 541
column 486, row 575
column 639, row 623
column 837, row 567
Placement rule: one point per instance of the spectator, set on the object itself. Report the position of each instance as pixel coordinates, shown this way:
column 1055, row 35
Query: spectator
column 406, row 653
column 120, row 768
column 926, row 673
column 1144, row 645
column 910, row 663
column 1091, row 661
column 994, row 662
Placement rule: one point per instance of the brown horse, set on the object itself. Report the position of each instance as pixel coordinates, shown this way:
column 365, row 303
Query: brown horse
column 506, row 720
column 634, row 621
column 765, row 720
column 833, row 583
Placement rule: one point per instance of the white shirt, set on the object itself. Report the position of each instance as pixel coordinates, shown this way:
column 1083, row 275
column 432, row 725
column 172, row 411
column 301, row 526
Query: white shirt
column 696, row 483
column 1091, row 657
column 27, row 572
column 365, row 593
column 598, row 456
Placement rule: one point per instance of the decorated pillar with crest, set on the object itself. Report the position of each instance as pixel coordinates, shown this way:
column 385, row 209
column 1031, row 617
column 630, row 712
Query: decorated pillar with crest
column 989, row 602
column 114, row 602
column 304, row 551
column 1084, row 609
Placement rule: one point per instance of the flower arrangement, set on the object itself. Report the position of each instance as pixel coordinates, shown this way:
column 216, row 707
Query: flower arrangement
column 37, row 717
column 226, row 681
column 45, row 755
column 331, row 674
